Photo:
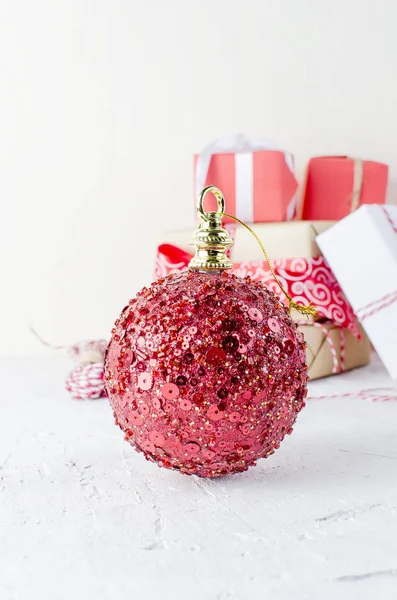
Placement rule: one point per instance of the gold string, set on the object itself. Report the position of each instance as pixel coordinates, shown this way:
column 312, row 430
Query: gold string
column 304, row 310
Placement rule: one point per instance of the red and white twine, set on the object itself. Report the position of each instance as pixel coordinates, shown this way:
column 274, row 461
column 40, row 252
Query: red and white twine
column 85, row 382
column 377, row 305
column 338, row 361
column 388, row 217
column 374, row 307
column 375, row 394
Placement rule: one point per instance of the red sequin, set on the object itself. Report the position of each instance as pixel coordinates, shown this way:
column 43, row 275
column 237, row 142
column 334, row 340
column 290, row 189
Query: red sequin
column 216, row 356
column 145, row 381
column 273, row 325
column 157, row 438
column 135, row 418
column 156, row 403
column 185, row 405
column 255, row 314
column 215, row 414
column 170, row 391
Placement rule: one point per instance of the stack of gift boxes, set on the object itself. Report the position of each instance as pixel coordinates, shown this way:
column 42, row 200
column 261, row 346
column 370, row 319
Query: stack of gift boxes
column 336, row 247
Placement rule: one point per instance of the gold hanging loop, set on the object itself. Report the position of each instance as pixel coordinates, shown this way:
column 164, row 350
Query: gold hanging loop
column 210, row 240
column 219, row 197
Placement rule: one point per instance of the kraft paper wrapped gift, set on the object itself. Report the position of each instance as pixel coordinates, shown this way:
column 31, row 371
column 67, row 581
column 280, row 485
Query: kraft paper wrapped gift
column 337, row 185
column 331, row 349
column 306, row 279
column 256, row 178
column 362, row 252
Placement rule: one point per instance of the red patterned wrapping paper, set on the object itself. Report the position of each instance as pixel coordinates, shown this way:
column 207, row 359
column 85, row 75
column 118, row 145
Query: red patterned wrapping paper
column 306, row 280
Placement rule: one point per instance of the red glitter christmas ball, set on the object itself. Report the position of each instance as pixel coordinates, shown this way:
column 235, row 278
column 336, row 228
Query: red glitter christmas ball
column 206, row 372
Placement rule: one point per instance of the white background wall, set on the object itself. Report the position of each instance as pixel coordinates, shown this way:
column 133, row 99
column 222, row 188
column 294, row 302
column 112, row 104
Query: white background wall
column 102, row 103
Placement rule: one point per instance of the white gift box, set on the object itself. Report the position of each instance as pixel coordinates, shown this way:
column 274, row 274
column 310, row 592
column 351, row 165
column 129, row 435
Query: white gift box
column 361, row 250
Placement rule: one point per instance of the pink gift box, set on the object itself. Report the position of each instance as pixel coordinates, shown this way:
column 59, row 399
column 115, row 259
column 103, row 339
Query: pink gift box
column 258, row 184
column 338, row 185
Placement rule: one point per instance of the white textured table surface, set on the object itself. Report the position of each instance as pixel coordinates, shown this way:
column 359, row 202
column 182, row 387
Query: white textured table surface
column 83, row 516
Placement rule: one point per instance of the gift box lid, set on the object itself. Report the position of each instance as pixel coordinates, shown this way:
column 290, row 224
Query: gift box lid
column 361, row 249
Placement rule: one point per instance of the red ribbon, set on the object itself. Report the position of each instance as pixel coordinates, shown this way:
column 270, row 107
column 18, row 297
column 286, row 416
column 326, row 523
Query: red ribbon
column 305, row 279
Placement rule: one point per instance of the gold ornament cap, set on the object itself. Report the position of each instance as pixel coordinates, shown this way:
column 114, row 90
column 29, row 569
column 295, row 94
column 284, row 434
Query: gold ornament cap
column 211, row 240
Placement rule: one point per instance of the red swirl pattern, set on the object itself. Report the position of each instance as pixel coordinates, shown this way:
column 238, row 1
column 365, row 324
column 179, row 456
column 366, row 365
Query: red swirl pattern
column 305, row 279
